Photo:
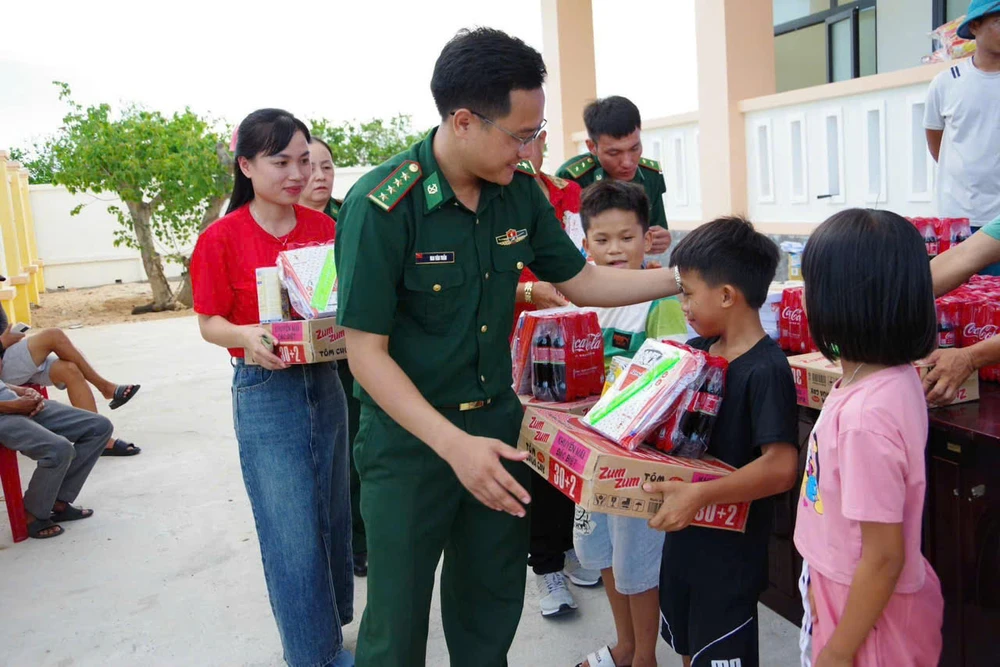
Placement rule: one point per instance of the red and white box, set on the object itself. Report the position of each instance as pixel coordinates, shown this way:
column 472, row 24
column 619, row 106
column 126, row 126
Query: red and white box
column 600, row 476
column 307, row 341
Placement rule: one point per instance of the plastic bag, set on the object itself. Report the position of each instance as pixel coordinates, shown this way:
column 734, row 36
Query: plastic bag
column 642, row 397
column 309, row 273
column 952, row 46
column 688, row 430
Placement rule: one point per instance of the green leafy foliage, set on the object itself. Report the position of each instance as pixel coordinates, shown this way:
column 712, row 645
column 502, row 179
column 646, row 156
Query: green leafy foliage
column 168, row 163
column 37, row 160
column 371, row 142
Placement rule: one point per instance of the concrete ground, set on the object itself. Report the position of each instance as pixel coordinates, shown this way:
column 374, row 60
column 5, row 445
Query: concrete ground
column 168, row 571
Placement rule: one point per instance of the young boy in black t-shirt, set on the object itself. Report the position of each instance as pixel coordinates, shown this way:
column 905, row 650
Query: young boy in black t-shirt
column 710, row 579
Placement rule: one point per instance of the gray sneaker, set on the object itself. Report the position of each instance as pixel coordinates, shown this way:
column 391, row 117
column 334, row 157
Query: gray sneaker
column 556, row 599
column 578, row 574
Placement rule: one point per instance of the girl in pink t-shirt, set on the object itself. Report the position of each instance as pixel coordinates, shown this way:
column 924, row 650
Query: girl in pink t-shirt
column 871, row 598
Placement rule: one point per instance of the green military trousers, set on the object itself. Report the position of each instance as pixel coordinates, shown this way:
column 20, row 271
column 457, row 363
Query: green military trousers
column 415, row 509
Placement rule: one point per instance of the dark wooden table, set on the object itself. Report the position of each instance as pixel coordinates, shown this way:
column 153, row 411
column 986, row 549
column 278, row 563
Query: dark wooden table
column 961, row 528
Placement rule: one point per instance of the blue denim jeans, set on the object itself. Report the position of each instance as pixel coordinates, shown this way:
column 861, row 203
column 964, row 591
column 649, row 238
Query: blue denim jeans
column 291, row 426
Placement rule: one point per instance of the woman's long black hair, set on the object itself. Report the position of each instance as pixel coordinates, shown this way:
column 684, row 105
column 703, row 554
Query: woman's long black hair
column 264, row 132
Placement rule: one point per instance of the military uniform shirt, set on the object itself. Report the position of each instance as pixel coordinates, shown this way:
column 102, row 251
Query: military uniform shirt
column 439, row 280
column 586, row 169
column 333, row 208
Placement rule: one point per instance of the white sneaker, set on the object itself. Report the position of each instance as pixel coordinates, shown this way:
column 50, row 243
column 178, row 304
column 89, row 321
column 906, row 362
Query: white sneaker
column 556, row 599
column 577, row 573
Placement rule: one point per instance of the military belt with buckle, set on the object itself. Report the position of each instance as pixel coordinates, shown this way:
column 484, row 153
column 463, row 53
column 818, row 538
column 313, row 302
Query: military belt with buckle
column 474, row 405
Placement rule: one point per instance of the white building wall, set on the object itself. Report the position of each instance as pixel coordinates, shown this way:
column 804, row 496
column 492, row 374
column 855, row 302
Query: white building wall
column 807, row 161
column 675, row 146
column 79, row 251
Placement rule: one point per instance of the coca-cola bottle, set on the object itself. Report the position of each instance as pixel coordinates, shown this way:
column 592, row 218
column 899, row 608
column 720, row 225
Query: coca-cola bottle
column 541, row 369
column 964, row 230
column 558, row 368
column 930, row 238
column 946, row 326
column 695, row 443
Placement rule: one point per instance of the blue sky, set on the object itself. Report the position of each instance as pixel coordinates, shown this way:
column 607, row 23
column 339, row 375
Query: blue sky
column 336, row 58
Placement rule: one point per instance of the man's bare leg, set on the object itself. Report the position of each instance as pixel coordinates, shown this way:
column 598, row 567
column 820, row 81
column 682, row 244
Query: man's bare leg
column 49, row 341
column 79, row 391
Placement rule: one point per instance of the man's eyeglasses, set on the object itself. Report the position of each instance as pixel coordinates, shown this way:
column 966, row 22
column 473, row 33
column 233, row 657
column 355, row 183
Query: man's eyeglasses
column 523, row 141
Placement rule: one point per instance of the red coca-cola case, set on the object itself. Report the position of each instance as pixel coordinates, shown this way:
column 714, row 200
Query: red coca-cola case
column 567, row 356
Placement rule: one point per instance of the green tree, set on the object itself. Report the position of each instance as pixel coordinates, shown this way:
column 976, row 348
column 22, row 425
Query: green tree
column 357, row 144
column 172, row 174
column 37, row 160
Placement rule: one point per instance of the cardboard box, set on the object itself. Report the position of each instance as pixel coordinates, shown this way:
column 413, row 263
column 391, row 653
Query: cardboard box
column 578, row 407
column 815, row 376
column 307, row 341
column 600, row 476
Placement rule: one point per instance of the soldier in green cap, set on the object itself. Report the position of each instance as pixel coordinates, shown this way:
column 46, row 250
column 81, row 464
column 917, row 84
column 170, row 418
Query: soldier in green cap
column 429, row 249
column 615, row 151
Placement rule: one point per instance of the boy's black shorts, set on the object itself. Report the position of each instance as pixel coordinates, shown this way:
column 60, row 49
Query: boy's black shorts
column 712, row 619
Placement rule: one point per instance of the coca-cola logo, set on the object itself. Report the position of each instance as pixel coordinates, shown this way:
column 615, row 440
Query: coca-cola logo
column 588, row 343
column 980, row 333
column 792, row 314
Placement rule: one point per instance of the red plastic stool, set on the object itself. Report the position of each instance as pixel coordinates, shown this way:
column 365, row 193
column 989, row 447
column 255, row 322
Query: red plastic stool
column 11, row 480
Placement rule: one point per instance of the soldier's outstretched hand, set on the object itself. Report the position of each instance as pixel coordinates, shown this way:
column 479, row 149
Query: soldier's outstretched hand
column 476, row 462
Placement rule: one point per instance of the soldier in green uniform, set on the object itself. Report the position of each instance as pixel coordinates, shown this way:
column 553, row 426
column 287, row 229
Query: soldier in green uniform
column 333, row 208
column 429, row 249
column 615, row 151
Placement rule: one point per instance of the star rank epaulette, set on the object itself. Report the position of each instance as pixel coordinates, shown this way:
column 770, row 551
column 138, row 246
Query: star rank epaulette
column 391, row 191
column 560, row 183
column 581, row 166
column 525, row 167
column 650, row 164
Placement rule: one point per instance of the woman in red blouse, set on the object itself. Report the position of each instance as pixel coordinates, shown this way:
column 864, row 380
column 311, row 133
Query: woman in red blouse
column 291, row 421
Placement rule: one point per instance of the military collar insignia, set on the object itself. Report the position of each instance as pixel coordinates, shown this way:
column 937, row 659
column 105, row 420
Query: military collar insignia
column 525, row 167
column 432, row 191
column 391, row 191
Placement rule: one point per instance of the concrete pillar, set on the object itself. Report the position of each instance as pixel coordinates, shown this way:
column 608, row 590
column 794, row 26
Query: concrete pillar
column 568, row 49
column 21, row 228
column 16, row 278
column 34, row 268
column 735, row 56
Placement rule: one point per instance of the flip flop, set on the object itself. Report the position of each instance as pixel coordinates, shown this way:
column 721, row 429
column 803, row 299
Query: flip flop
column 601, row 658
column 123, row 394
column 36, row 527
column 71, row 514
column 121, row 448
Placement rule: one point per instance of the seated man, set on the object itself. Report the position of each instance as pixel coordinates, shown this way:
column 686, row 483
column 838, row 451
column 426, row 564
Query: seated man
column 65, row 441
column 49, row 358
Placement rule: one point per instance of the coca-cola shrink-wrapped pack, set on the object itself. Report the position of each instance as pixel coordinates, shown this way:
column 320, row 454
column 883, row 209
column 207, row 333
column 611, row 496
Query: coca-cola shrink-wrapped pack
column 793, row 332
column 942, row 234
column 970, row 315
column 558, row 355
column 644, row 395
column 688, row 429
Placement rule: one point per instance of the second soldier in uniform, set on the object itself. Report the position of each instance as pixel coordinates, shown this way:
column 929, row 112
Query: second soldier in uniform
column 615, row 151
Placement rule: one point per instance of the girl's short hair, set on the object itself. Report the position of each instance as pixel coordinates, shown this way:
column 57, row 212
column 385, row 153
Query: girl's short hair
column 869, row 295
